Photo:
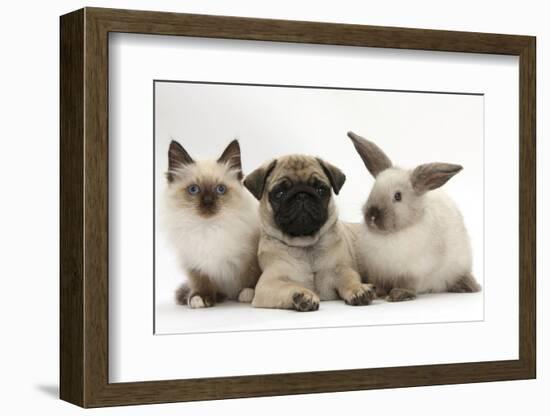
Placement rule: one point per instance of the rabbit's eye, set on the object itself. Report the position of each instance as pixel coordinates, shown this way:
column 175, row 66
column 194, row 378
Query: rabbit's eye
column 397, row 196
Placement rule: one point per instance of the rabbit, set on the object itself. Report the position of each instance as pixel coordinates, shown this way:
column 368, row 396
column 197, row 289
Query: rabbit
column 413, row 239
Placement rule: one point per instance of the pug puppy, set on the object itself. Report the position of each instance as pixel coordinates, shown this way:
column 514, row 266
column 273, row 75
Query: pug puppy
column 306, row 254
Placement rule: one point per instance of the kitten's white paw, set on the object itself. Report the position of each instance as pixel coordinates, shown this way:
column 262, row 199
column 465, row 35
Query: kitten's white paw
column 246, row 295
column 196, row 302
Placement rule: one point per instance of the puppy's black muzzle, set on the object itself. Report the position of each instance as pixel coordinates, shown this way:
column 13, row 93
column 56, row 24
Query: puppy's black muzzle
column 301, row 211
column 301, row 193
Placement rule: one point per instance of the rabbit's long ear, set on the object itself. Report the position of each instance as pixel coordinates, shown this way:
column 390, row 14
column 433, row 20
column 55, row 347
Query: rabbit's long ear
column 255, row 181
column 177, row 157
column 232, row 157
column 432, row 175
column 373, row 157
column 334, row 175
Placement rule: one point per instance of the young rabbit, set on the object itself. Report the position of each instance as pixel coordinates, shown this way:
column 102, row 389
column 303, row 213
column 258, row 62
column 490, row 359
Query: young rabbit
column 413, row 239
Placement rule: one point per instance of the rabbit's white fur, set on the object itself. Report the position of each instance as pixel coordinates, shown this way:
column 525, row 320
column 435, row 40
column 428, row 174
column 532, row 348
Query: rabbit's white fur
column 413, row 236
column 430, row 255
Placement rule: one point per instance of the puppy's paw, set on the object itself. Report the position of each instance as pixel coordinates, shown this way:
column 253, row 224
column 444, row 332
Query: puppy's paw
column 364, row 295
column 305, row 301
column 372, row 289
column 400, row 295
column 246, row 295
column 198, row 301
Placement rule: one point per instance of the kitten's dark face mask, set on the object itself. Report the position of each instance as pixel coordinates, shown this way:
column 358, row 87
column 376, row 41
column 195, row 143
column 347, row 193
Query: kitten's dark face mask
column 198, row 189
column 207, row 198
column 300, row 209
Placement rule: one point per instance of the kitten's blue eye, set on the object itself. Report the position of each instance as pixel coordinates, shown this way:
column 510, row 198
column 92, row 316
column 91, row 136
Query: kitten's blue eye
column 221, row 189
column 193, row 189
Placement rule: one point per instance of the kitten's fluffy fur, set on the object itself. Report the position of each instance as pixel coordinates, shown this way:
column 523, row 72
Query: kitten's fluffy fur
column 215, row 235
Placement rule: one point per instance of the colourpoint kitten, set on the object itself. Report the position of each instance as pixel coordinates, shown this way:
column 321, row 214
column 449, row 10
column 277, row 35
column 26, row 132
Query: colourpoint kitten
column 212, row 222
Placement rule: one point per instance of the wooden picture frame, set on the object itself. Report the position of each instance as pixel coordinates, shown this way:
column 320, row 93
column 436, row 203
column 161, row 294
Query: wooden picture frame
column 84, row 207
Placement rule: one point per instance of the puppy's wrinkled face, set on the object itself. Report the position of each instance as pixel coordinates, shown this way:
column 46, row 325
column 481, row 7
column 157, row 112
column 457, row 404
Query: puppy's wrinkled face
column 299, row 193
column 393, row 203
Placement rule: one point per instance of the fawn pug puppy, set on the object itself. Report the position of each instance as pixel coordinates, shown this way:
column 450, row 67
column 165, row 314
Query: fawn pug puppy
column 305, row 253
column 212, row 222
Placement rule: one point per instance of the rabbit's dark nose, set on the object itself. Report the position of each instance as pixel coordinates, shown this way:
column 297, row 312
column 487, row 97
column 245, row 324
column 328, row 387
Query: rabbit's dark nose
column 373, row 213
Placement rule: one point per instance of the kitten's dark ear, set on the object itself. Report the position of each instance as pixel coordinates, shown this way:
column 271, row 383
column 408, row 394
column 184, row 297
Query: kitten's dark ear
column 373, row 157
column 432, row 175
column 334, row 175
column 255, row 181
column 177, row 157
column 232, row 157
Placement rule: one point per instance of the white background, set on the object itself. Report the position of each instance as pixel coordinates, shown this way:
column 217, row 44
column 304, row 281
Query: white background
column 29, row 179
column 411, row 127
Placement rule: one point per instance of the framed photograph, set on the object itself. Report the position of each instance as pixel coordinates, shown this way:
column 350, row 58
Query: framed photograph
column 255, row 207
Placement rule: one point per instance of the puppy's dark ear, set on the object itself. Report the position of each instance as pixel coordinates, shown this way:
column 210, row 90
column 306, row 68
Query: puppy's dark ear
column 255, row 181
column 373, row 157
column 232, row 157
column 334, row 175
column 432, row 175
column 177, row 157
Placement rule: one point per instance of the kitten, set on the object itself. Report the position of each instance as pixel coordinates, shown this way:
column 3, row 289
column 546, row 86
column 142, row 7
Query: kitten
column 212, row 221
